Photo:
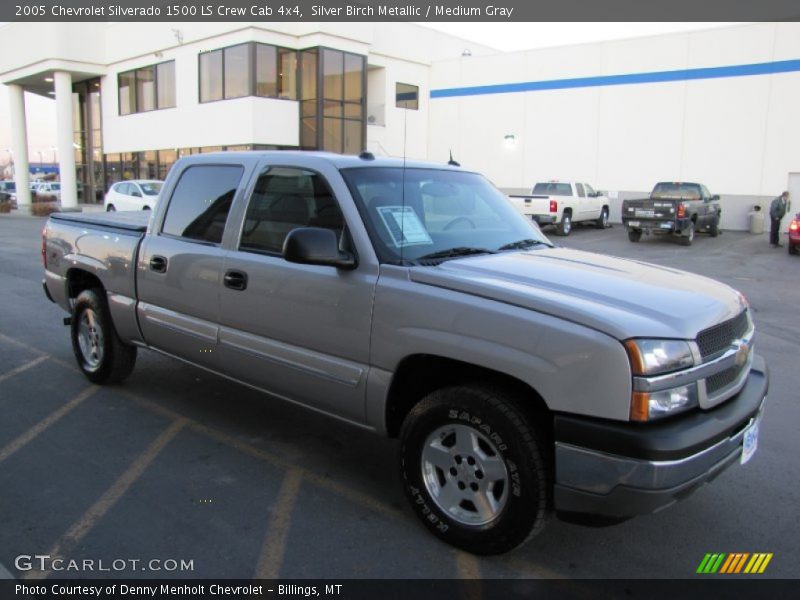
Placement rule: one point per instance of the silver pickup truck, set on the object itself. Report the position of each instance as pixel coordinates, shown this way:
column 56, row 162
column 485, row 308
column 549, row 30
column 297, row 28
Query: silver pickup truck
column 412, row 299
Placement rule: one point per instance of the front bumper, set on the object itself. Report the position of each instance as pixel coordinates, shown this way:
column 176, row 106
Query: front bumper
column 625, row 469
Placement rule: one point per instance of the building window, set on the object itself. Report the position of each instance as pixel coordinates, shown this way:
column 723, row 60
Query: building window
column 147, row 88
column 342, row 101
column 250, row 69
column 407, row 96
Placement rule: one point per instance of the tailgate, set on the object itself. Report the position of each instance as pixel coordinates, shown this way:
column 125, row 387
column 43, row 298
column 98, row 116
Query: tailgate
column 532, row 205
column 647, row 209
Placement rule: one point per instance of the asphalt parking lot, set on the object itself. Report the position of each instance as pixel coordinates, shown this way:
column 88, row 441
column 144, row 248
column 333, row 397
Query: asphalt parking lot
column 180, row 465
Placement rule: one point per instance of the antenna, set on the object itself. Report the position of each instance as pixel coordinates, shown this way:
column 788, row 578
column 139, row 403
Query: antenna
column 451, row 162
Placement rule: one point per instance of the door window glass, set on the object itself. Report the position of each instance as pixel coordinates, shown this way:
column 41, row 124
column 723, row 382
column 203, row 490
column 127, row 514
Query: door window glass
column 200, row 203
column 284, row 199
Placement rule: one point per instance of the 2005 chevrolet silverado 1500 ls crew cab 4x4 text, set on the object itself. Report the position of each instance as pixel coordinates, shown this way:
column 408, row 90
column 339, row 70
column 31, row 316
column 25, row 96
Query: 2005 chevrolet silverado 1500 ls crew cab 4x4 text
column 414, row 300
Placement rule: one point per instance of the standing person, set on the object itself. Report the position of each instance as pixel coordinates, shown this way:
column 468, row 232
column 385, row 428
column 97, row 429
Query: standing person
column 777, row 210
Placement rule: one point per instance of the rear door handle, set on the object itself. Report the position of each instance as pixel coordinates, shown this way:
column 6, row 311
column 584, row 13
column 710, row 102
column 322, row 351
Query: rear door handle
column 158, row 264
column 235, row 280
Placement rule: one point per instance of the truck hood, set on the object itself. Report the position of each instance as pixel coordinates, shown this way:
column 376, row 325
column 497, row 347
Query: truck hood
column 623, row 298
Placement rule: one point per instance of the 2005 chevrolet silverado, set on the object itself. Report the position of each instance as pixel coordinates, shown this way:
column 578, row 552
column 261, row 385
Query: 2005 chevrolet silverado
column 413, row 299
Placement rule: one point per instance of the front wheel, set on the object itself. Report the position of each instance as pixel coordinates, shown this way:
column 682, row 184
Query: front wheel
column 110, row 208
column 713, row 229
column 101, row 355
column 475, row 469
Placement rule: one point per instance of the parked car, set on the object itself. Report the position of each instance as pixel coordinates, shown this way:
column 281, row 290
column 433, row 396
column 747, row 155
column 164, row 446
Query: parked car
column 10, row 188
column 138, row 194
column 794, row 235
column 562, row 203
column 50, row 190
column 413, row 300
column 673, row 208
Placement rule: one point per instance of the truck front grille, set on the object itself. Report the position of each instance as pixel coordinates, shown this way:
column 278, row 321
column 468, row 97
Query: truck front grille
column 722, row 379
column 719, row 337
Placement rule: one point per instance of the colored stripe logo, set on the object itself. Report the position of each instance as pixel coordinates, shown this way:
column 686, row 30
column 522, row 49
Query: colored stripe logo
column 768, row 68
column 734, row 563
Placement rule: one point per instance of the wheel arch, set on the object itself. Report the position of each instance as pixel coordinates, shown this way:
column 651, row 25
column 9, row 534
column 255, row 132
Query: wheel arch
column 78, row 280
column 419, row 374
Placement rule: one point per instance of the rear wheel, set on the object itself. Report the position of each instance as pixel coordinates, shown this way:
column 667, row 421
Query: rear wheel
column 687, row 237
column 713, row 229
column 101, row 355
column 110, row 208
column 602, row 221
column 634, row 235
column 474, row 469
column 792, row 248
column 565, row 226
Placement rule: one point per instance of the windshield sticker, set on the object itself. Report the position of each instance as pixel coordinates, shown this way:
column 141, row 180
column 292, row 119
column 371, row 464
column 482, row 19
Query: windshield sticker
column 404, row 226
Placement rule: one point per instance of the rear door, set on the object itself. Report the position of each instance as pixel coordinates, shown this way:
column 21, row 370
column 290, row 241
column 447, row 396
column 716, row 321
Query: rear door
column 180, row 264
column 299, row 331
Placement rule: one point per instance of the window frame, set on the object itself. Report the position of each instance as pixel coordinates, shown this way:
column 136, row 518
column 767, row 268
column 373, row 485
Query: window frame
column 135, row 97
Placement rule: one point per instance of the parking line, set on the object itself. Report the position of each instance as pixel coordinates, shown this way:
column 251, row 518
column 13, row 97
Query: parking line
column 22, row 368
column 107, row 501
column 10, row 340
column 523, row 567
column 54, row 416
column 271, row 559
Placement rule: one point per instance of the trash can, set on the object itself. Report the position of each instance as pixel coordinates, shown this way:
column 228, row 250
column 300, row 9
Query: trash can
column 756, row 220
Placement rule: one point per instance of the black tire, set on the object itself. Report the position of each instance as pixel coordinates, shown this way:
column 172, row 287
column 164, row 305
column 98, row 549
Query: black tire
column 687, row 237
column 713, row 229
column 101, row 355
column 792, row 248
column 602, row 221
column 634, row 235
column 145, row 207
column 508, row 445
column 110, row 208
column 565, row 226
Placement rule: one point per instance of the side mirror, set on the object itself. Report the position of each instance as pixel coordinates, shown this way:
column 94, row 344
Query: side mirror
column 599, row 193
column 715, row 198
column 316, row 246
column 136, row 194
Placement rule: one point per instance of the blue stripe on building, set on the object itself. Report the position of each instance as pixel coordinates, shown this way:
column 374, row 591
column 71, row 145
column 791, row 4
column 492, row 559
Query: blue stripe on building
column 769, row 68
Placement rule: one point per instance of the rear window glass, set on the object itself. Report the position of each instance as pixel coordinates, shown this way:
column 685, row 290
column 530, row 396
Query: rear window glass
column 553, row 189
column 684, row 191
column 200, row 203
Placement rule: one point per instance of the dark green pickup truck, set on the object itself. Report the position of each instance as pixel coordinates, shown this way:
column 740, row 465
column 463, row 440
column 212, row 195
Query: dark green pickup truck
column 676, row 209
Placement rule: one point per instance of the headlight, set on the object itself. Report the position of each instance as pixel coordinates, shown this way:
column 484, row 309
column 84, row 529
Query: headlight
column 649, row 358
column 654, row 357
column 647, row 406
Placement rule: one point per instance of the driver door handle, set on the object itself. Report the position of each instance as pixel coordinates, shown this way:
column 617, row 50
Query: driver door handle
column 158, row 264
column 235, row 280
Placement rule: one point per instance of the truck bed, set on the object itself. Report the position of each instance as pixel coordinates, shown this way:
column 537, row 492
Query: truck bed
column 133, row 221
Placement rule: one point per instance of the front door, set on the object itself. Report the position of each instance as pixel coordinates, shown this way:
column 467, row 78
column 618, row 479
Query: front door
column 298, row 331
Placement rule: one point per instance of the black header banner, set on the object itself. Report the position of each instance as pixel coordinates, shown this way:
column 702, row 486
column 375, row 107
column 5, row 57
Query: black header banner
column 408, row 10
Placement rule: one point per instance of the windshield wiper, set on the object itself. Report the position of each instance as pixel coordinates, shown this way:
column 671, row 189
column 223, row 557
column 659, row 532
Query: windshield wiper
column 522, row 244
column 457, row 251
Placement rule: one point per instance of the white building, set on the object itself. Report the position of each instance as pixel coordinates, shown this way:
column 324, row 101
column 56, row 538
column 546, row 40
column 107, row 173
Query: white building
column 721, row 106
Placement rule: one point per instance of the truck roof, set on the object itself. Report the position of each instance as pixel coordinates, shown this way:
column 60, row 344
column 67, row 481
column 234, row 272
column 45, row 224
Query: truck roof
column 340, row 161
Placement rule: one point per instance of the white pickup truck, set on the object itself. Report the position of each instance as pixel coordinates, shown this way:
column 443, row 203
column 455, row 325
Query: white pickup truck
column 562, row 203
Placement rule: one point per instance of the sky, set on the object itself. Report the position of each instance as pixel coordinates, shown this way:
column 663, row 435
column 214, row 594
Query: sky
column 506, row 37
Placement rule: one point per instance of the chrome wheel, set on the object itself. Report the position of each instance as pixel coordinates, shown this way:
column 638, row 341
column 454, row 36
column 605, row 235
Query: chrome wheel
column 465, row 474
column 90, row 340
column 566, row 225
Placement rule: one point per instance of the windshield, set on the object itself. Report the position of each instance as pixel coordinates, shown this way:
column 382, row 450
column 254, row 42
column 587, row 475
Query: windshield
column 443, row 213
column 151, row 188
column 552, row 188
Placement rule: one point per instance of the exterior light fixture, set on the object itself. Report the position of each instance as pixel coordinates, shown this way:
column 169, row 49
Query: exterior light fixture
column 510, row 140
column 466, row 52
column 48, row 79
